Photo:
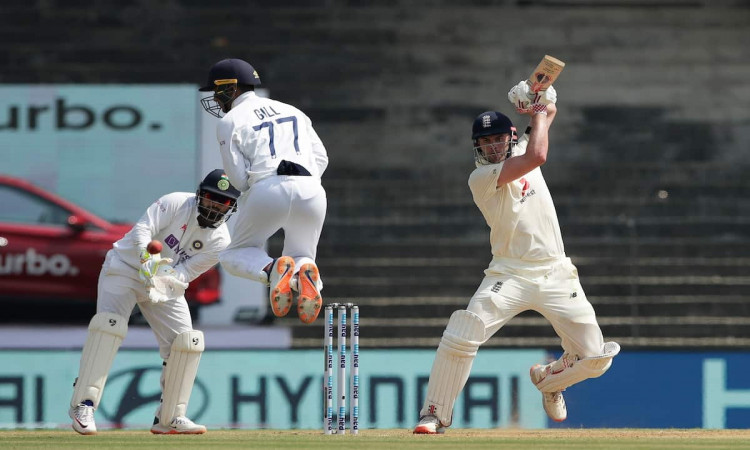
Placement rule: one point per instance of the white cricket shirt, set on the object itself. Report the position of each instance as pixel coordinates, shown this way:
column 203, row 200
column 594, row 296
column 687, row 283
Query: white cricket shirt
column 257, row 133
column 173, row 221
column 524, row 230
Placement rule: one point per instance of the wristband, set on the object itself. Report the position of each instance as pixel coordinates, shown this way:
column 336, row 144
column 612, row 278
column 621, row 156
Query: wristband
column 539, row 108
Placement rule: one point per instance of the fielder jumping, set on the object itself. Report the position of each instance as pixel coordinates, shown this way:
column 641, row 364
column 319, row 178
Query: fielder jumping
column 272, row 154
column 192, row 230
column 529, row 269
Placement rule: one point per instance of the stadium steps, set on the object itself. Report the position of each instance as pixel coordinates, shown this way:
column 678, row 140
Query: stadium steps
column 529, row 328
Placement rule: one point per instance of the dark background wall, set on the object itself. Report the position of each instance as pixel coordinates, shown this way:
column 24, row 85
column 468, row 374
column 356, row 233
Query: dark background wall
column 647, row 163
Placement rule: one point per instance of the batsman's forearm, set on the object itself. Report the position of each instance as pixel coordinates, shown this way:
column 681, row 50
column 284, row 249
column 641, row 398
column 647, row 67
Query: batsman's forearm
column 538, row 140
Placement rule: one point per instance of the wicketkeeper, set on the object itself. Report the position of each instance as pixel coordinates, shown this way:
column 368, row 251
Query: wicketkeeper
column 529, row 269
column 192, row 230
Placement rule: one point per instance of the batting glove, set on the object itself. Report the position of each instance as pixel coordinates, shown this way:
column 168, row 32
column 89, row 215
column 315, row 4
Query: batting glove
column 523, row 98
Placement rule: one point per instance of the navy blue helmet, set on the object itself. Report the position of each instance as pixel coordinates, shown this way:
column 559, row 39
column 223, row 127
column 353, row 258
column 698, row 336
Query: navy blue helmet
column 491, row 123
column 223, row 79
column 217, row 199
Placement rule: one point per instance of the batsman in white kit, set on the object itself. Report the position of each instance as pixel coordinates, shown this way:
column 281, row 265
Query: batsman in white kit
column 529, row 269
column 191, row 228
column 272, row 154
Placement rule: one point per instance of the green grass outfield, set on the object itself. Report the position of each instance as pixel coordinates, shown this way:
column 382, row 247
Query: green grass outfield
column 387, row 439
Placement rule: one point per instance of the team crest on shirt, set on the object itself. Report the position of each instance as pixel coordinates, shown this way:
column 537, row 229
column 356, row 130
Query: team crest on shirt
column 197, row 245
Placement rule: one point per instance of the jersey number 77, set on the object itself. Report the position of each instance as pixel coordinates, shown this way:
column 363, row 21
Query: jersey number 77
column 279, row 121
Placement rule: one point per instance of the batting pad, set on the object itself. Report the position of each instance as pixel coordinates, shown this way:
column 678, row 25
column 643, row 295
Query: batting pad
column 179, row 375
column 453, row 361
column 106, row 332
column 567, row 370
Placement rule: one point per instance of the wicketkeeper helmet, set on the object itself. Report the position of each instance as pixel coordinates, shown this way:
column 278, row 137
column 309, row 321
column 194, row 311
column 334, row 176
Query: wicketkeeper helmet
column 214, row 193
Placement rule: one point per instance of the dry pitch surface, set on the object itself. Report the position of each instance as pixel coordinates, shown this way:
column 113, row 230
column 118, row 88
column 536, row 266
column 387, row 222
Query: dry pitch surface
column 388, row 439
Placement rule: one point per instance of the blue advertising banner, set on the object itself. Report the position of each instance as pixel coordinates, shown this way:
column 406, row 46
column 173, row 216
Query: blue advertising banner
column 664, row 390
column 112, row 149
column 270, row 389
column 283, row 389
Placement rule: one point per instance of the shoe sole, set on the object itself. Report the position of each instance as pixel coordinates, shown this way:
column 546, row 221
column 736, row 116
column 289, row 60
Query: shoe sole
column 281, row 295
column 531, row 373
column 83, row 432
column 310, row 301
column 422, row 429
column 178, row 432
column 172, row 431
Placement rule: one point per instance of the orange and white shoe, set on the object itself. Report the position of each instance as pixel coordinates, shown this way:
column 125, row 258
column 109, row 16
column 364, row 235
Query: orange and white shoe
column 179, row 425
column 309, row 301
column 280, row 294
column 429, row 425
column 553, row 402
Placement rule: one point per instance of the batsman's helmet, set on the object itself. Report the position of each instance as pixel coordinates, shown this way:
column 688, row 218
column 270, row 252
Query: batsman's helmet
column 214, row 194
column 492, row 123
column 223, row 79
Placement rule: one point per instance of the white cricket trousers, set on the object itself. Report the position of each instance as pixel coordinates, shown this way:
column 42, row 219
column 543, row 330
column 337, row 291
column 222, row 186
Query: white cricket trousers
column 118, row 294
column 296, row 204
column 557, row 295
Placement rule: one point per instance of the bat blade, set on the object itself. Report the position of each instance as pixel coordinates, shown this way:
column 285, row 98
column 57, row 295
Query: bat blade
column 545, row 73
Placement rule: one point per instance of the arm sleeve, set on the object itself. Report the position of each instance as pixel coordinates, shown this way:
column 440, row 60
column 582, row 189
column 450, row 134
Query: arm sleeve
column 231, row 156
column 483, row 180
column 320, row 155
column 156, row 217
column 192, row 268
column 523, row 141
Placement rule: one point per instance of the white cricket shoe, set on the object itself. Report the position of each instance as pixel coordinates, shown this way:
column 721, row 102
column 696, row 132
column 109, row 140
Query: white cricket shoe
column 553, row 402
column 280, row 293
column 179, row 425
column 429, row 425
column 83, row 418
column 309, row 301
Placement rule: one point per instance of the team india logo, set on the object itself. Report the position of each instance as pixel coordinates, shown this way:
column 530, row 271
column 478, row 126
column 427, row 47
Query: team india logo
column 223, row 184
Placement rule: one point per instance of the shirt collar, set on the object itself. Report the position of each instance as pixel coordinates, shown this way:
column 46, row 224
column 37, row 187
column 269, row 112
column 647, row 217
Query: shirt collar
column 242, row 98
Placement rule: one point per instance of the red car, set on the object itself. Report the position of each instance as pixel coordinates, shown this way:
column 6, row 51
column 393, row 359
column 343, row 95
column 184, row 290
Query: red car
column 51, row 250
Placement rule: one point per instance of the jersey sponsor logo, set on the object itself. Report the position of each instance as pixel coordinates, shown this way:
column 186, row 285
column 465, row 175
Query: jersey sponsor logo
column 525, row 186
column 174, row 243
column 35, row 264
column 171, row 241
column 526, row 190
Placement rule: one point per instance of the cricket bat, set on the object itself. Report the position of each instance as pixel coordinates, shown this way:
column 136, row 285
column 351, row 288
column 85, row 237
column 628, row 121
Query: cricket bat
column 545, row 73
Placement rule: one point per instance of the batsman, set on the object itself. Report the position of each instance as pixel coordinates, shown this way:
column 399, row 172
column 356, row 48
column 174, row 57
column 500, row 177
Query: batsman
column 529, row 269
column 192, row 229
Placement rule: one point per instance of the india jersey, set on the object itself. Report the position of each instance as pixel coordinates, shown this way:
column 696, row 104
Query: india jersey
column 524, row 230
column 258, row 133
column 173, row 221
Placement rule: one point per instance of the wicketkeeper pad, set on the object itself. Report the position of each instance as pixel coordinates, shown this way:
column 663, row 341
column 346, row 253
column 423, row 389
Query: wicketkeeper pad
column 455, row 356
column 106, row 332
column 569, row 370
column 179, row 375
